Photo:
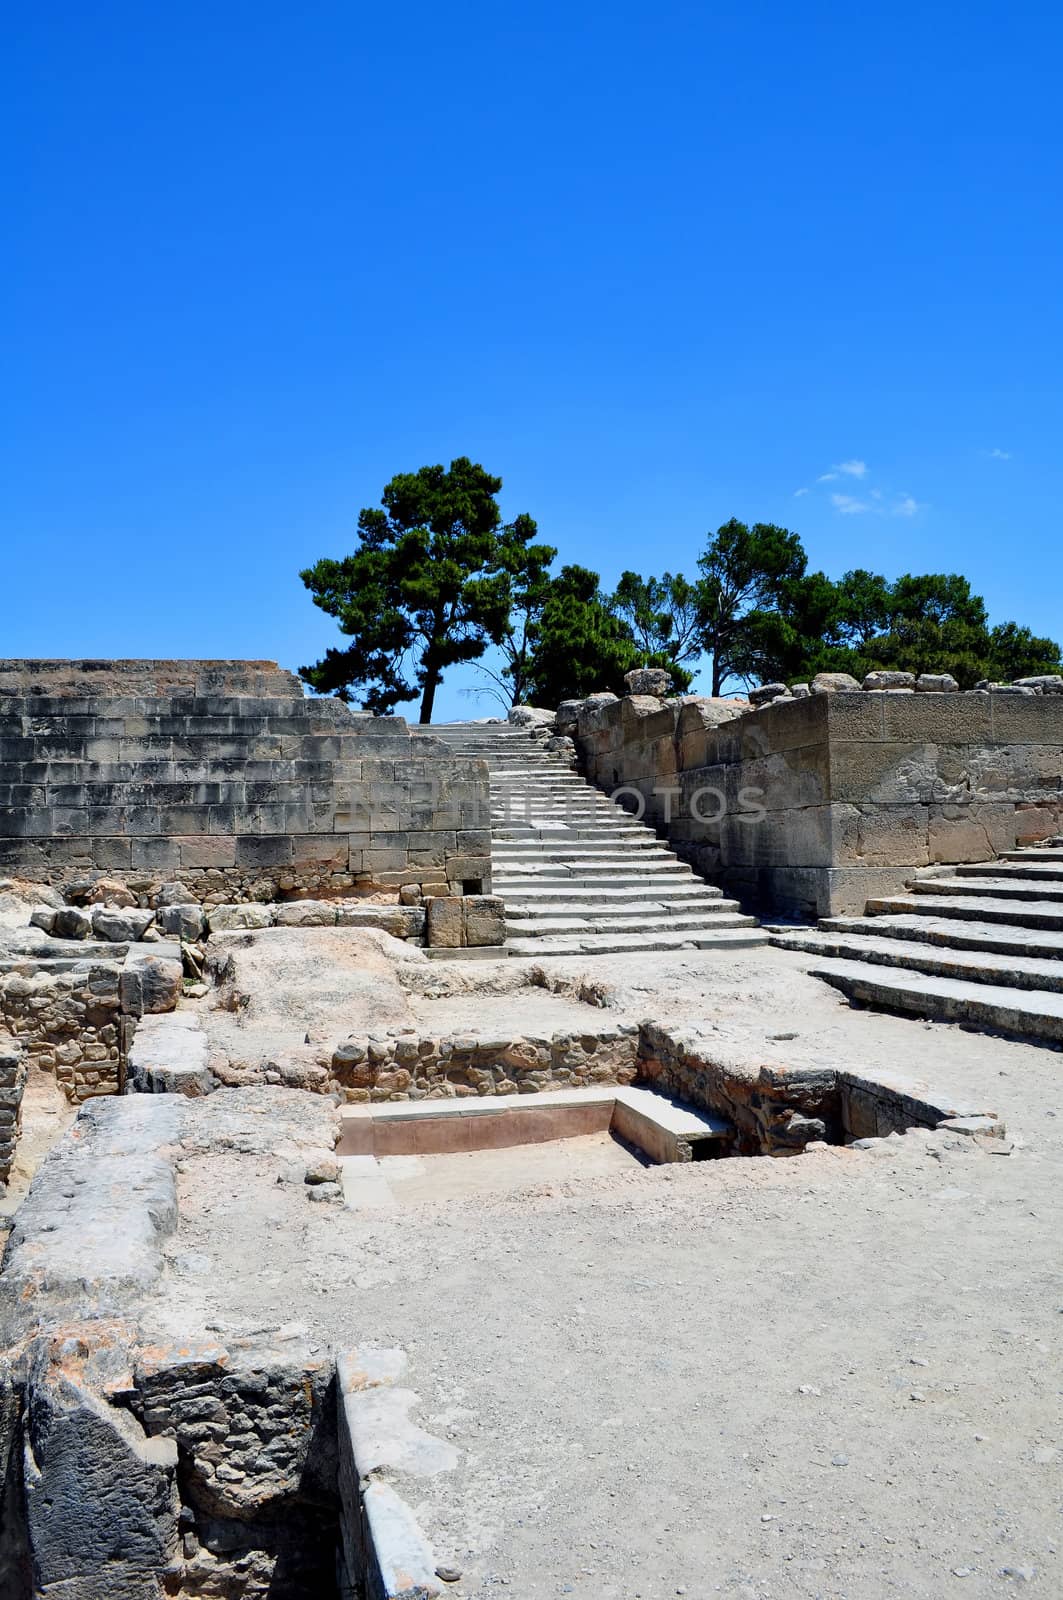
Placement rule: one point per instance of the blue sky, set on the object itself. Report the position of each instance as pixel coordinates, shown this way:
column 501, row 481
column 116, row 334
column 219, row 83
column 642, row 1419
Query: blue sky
column 655, row 266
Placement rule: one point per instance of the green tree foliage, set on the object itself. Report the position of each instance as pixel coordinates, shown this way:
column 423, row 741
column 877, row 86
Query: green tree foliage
column 929, row 622
column 744, row 575
column 581, row 645
column 663, row 614
column 431, row 584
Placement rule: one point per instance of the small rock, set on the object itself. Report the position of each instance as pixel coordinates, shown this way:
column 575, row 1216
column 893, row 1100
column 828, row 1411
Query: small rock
column 839, row 1461
column 834, row 683
column 936, row 683
column 963, row 1572
column 1021, row 1574
column 324, row 1191
column 767, row 693
column 448, row 1573
column 323, row 1169
column 72, row 923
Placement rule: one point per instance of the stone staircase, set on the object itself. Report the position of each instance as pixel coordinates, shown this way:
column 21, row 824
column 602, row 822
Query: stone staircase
column 579, row 876
column 980, row 944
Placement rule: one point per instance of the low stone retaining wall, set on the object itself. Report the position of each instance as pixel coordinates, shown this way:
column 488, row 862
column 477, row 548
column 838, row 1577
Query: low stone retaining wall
column 778, row 1110
column 12, row 1087
column 75, row 1018
column 68, row 1023
column 411, row 1067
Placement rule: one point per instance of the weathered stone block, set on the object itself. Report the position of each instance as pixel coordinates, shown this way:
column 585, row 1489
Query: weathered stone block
column 445, row 924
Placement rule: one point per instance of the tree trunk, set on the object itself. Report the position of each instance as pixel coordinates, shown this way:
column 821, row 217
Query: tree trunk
column 428, row 699
column 717, row 679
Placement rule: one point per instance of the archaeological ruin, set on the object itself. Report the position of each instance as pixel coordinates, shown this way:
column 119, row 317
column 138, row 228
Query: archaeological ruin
column 417, row 1143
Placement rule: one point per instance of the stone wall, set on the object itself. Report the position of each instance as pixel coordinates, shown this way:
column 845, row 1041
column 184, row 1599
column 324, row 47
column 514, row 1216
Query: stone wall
column 68, row 1023
column 12, row 1086
column 411, row 1067
column 241, row 795
column 807, row 806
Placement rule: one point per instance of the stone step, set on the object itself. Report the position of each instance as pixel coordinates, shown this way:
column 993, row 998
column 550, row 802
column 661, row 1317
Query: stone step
column 607, row 832
column 1021, row 888
column 600, row 872
column 627, row 920
column 509, row 850
column 575, row 893
column 993, row 938
column 1019, row 913
column 1014, row 1012
column 939, row 961
column 1034, row 854
column 638, row 943
column 1032, row 871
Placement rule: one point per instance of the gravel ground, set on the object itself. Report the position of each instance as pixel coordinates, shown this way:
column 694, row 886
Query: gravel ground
column 837, row 1375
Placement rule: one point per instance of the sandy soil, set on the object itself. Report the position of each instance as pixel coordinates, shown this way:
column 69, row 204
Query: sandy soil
column 833, row 1376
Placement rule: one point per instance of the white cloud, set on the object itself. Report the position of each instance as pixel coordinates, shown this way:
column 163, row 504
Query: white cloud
column 999, row 455
column 847, row 505
column 852, row 469
column 876, row 494
column 906, row 506
column 827, row 477
column 799, row 492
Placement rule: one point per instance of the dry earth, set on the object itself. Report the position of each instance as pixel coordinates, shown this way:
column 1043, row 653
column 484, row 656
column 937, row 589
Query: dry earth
column 837, row 1375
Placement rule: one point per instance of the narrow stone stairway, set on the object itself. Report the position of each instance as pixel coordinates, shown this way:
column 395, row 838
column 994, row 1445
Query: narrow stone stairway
column 579, row 876
column 980, row 944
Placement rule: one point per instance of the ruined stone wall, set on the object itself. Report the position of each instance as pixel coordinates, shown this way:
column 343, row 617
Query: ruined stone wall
column 411, row 1067
column 239, row 795
column 808, row 806
column 12, row 1087
column 68, row 1023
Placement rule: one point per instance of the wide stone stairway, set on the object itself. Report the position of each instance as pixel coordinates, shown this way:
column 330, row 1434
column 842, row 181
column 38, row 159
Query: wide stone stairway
column 577, row 873
column 980, row 944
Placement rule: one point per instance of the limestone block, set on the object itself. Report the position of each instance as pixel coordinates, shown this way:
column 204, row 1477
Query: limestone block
column 305, row 914
column 1047, row 683
column 485, row 920
column 181, row 921
column 936, row 683
column 951, row 719
column 768, row 692
column 120, row 925
column 446, row 921
column 971, row 833
column 530, row 717
column 833, row 682
column 648, row 681
column 72, row 923
column 854, row 716
column 889, row 836
column 207, row 851
column 1032, row 719
column 890, row 680
column 220, row 919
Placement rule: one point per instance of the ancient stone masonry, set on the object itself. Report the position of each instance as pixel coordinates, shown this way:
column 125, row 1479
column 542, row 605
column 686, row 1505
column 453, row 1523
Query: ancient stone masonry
column 12, row 1085
column 810, row 804
column 74, row 1017
column 224, row 776
column 410, row 1067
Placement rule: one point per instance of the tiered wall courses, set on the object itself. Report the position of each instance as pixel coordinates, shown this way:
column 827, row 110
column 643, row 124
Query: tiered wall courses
column 858, row 789
column 241, row 795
